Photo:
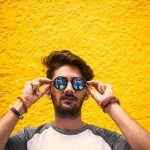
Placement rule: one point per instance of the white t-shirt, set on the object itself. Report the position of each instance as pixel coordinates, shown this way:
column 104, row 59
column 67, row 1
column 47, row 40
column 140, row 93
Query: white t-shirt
column 47, row 137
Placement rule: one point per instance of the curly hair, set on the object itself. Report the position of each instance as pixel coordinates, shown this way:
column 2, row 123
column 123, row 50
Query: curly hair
column 57, row 59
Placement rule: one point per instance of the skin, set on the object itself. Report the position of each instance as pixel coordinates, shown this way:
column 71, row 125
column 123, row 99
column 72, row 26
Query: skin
column 137, row 136
column 68, row 122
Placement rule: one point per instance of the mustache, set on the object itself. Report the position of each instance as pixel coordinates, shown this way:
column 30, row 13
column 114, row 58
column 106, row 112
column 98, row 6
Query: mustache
column 68, row 96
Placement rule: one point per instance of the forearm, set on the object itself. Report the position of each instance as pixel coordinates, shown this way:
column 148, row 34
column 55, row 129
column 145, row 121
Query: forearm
column 7, row 124
column 137, row 137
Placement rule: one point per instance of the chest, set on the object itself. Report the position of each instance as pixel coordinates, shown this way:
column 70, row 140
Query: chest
column 52, row 140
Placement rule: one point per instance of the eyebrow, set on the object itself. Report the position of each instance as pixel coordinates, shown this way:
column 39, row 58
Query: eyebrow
column 67, row 77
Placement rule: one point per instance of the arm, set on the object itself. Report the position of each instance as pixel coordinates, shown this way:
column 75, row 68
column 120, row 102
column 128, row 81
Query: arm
column 7, row 124
column 137, row 137
column 31, row 94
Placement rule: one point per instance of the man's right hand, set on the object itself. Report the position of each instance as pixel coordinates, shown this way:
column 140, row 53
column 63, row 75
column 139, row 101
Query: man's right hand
column 31, row 92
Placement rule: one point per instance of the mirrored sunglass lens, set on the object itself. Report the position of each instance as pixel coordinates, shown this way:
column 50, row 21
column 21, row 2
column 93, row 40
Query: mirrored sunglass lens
column 78, row 83
column 60, row 83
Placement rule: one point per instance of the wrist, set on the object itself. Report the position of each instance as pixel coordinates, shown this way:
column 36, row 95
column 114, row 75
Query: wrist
column 108, row 101
column 26, row 100
column 111, row 107
column 18, row 105
column 24, row 103
column 17, row 113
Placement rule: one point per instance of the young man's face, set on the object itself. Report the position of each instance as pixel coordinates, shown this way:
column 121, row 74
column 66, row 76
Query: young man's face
column 68, row 102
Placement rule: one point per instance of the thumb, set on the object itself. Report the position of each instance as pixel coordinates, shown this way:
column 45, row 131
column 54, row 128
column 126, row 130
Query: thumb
column 45, row 89
column 90, row 90
column 95, row 95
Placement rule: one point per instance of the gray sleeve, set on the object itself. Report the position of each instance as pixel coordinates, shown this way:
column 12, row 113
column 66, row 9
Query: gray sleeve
column 18, row 141
column 120, row 143
column 115, row 140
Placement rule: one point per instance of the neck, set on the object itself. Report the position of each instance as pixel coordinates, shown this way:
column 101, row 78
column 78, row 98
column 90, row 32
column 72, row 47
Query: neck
column 68, row 124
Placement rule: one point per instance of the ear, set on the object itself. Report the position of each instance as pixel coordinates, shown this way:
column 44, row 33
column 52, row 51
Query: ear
column 48, row 94
column 86, row 95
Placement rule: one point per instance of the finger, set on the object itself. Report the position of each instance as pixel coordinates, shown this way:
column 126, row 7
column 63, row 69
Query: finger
column 35, row 85
column 44, row 90
column 98, row 85
column 94, row 83
column 37, row 92
column 90, row 90
column 103, row 87
column 95, row 95
column 100, row 89
column 43, row 81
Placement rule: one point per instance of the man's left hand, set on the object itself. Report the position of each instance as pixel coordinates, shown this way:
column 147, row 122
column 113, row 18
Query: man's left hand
column 102, row 90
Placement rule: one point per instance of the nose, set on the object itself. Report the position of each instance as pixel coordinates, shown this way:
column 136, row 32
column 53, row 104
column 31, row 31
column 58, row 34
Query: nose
column 69, row 89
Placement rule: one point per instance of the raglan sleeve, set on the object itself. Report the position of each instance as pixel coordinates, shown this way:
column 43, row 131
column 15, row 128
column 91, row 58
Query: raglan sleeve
column 115, row 140
column 18, row 141
column 120, row 142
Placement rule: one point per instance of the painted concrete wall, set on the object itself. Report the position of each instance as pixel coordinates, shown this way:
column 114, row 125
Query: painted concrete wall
column 111, row 35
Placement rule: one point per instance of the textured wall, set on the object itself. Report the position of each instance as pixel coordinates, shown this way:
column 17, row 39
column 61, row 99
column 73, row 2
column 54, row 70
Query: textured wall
column 111, row 35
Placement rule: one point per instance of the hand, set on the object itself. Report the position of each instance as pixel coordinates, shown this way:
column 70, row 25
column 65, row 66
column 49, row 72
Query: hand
column 31, row 92
column 103, row 90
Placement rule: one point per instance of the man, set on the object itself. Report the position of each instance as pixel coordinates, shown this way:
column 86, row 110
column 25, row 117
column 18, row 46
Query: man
column 68, row 84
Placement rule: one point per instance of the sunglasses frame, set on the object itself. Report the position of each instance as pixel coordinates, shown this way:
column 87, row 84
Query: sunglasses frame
column 71, row 83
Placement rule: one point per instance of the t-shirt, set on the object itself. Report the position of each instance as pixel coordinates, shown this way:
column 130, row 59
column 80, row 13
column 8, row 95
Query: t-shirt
column 48, row 137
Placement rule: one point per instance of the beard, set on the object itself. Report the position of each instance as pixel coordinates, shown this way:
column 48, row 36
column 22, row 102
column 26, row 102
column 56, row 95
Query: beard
column 70, row 109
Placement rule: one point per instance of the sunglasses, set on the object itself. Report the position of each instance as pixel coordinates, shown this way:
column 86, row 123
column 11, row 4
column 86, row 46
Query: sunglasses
column 61, row 82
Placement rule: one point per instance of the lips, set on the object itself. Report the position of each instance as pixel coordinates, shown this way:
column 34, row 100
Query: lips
column 72, row 98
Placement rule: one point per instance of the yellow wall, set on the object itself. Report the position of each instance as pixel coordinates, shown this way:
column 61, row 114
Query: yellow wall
column 111, row 35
